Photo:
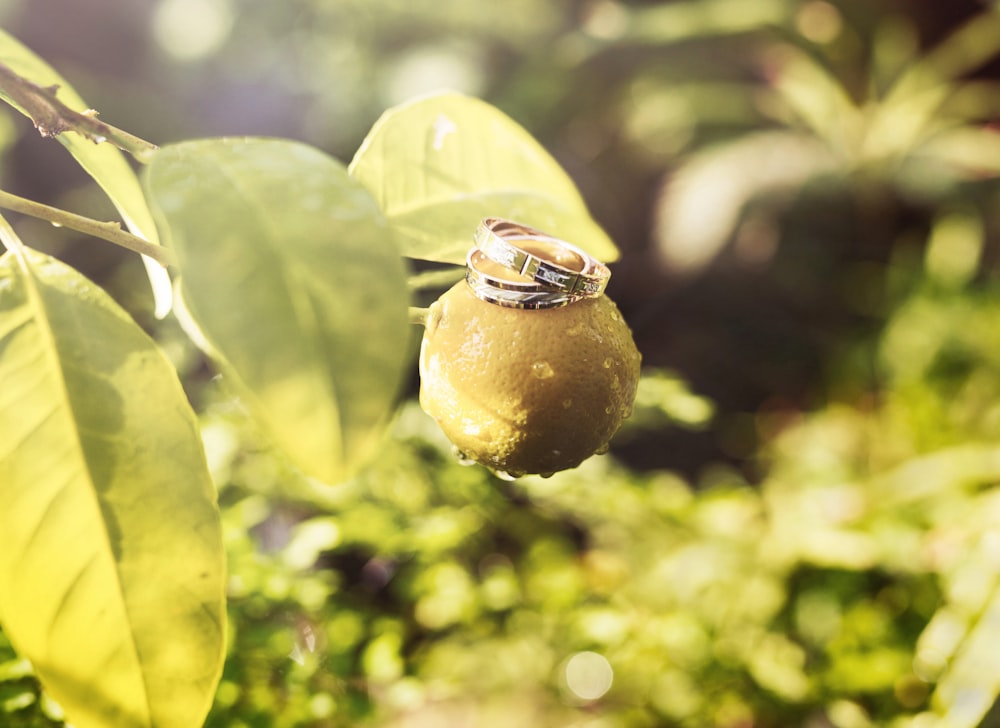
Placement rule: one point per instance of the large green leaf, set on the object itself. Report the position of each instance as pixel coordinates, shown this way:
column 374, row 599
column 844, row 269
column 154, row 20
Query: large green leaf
column 293, row 278
column 440, row 164
column 105, row 163
column 111, row 559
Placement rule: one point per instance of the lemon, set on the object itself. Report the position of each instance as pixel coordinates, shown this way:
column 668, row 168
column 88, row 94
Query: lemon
column 527, row 391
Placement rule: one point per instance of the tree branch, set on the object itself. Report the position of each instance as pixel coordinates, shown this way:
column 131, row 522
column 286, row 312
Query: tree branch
column 52, row 117
column 110, row 231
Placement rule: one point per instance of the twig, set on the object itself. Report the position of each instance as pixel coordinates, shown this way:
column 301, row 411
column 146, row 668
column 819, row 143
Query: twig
column 110, row 231
column 440, row 278
column 52, row 117
column 418, row 316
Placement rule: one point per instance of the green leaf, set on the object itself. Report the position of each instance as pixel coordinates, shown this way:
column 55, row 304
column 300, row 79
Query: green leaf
column 680, row 21
column 103, row 162
column 439, row 165
column 293, row 278
column 970, row 684
column 111, row 559
column 701, row 207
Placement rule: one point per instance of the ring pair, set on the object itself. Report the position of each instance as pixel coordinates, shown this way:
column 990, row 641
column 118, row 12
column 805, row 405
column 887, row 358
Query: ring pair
column 517, row 266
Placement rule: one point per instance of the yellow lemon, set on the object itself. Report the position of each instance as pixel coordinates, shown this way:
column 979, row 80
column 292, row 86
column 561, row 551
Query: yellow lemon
column 527, row 391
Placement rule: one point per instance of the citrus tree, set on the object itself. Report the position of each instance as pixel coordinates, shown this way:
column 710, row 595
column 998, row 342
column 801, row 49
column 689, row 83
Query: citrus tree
column 303, row 548
column 288, row 268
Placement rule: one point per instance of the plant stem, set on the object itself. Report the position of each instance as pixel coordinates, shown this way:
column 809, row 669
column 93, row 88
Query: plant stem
column 435, row 278
column 52, row 117
column 418, row 315
column 110, row 231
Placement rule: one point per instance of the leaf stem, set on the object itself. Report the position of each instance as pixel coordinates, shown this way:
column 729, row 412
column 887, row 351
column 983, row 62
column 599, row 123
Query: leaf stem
column 418, row 315
column 110, row 231
column 52, row 117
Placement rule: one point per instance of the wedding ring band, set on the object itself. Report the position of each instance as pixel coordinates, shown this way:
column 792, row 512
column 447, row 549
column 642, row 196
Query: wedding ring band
column 510, row 293
column 494, row 237
column 522, row 301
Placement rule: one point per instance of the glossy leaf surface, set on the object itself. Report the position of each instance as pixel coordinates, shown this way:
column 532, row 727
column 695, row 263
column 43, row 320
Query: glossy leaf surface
column 111, row 561
column 292, row 277
column 103, row 162
column 439, row 165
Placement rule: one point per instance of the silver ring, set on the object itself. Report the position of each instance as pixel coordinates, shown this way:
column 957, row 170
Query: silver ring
column 509, row 293
column 494, row 236
column 476, row 267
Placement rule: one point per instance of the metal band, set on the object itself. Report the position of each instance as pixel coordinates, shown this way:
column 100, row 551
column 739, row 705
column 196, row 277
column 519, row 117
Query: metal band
column 495, row 237
column 510, row 293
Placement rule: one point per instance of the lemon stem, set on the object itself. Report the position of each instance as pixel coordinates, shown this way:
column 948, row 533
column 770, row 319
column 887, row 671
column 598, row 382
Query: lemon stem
column 418, row 315
column 435, row 278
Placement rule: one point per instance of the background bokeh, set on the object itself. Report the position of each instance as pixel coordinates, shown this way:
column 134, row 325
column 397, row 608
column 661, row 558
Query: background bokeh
column 798, row 527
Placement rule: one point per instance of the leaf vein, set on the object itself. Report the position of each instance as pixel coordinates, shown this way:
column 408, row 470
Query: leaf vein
column 64, row 602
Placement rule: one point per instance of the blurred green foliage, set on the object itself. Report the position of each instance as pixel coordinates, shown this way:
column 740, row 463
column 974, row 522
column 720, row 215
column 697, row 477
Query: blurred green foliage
column 840, row 571
column 850, row 588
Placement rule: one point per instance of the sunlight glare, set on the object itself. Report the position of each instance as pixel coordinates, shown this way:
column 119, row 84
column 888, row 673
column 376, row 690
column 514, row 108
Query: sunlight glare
column 190, row 30
column 588, row 675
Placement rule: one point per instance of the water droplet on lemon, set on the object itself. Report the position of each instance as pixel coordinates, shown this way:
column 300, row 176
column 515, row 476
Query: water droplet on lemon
column 542, row 370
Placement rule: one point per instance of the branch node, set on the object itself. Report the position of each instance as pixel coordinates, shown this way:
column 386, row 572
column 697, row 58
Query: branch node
column 52, row 117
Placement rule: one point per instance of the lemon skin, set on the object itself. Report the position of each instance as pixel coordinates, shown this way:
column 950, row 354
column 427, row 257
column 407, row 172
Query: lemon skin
column 527, row 391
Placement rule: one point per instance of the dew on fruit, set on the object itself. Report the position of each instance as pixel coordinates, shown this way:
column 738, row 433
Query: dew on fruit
column 567, row 403
column 542, row 370
column 504, row 475
column 609, row 409
column 615, row 382
column 462, row 458
column 608, row 363
column 473, row 429
column 545, row 475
